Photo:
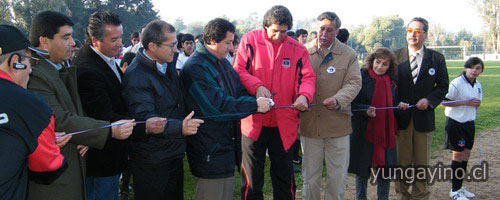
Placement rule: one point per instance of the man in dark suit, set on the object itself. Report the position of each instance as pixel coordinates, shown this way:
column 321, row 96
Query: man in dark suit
column 57, row 83
column 423, row 81
column 99, row 86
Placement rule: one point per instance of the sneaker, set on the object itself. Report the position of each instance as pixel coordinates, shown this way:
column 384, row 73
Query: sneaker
column 458, row 195
column 467, row 193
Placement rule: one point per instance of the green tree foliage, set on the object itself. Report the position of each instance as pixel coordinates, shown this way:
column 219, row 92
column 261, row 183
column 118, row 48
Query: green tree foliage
column 6, row 14
column 386, row 32
column 489, row 11
column 179, row 25
column 133, row 13
column 195, row 28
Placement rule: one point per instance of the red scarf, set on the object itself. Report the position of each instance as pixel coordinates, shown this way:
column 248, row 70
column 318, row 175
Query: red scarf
column 382, row 128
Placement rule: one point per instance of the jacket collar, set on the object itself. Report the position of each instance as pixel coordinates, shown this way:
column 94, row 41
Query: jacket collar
column 200, row 48
column 312, row 47
column 4, row 75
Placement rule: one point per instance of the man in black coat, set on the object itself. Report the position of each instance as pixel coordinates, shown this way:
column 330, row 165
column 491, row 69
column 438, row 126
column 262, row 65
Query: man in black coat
column 99, row 86
column 422, row 81
column 151, row 89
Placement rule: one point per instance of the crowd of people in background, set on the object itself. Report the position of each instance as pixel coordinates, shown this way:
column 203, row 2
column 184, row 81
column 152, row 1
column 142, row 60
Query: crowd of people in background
column 227, row 103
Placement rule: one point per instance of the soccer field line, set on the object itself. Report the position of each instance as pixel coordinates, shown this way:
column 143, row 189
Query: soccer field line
column 487, row 67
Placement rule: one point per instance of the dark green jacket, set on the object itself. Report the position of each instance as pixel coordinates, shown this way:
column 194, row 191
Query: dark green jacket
column 214, row 88
column 59, row 88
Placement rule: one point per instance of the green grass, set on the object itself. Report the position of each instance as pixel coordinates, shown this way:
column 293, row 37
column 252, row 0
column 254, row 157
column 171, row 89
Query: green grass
column 488, row 118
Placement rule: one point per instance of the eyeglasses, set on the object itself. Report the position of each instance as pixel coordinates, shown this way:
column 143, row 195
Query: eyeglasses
column 417, row 31
column 168, row 45
column 30, row 57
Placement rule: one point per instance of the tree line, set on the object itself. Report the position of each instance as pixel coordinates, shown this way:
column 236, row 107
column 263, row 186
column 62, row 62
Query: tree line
column 385, row 31
column 133, row 13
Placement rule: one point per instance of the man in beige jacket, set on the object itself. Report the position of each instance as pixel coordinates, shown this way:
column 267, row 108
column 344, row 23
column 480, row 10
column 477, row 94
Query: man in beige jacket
column 325, row 129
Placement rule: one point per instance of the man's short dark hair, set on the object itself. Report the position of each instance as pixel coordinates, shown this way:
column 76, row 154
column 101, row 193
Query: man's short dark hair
column 187, row 37
column 421, row 20
column 279, row 15
column 343, row 35
column 330, row 16
column 134, row 34
column 179, row 37
column 154, row 32
column 300, row 32
column 47, row 24
column 97, row 22
column 216, row 30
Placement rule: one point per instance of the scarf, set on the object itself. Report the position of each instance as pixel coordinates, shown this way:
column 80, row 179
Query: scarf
column 381, row 129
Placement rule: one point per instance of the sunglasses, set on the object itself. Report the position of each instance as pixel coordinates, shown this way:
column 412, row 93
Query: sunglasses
column 417, row 31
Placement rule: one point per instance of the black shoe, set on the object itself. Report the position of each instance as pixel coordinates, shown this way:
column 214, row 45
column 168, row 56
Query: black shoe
column 297, row 160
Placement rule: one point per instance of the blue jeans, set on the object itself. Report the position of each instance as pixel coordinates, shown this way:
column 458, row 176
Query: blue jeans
column 382, row 188
column 102, row 188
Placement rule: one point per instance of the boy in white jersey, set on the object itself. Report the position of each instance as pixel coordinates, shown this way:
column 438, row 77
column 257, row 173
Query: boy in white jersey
column 460, row 116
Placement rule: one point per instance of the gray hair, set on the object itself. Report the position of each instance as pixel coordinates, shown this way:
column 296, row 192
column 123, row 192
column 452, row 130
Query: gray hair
column 421, row 20
column 330, row 16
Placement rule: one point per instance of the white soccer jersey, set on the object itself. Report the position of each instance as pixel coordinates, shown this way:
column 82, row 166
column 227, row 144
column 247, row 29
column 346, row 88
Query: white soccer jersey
column 461, row 89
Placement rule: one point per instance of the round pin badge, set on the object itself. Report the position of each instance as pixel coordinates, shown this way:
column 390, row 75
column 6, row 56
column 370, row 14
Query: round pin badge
column 331, row 70
column 432, row 71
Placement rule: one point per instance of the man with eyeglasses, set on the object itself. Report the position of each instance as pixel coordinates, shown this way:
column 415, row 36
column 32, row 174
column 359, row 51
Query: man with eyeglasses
column 28, row 145
column 151, row 89
column 422, row 81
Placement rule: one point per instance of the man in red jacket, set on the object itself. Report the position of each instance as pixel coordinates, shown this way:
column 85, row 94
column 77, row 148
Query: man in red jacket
column 26, row 122
column 273, row 65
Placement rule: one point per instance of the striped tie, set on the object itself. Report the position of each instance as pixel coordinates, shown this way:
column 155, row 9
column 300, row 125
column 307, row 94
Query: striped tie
column 414, row 67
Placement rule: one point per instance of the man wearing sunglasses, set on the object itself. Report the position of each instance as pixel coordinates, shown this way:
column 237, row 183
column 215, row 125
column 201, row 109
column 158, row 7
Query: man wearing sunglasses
column 423, row 81
column 28, row 144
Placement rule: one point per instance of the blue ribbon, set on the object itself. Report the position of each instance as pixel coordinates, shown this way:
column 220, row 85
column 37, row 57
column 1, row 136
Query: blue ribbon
column 236, row 114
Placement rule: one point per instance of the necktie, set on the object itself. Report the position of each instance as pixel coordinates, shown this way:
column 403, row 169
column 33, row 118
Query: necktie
column 414, row 67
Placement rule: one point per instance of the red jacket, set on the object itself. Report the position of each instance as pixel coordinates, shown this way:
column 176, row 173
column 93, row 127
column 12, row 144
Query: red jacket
column 287, row 76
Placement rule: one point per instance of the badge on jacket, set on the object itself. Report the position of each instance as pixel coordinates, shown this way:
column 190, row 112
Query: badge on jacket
column 285, row 63
column 331, row 70
column 432, row 71
column 4, row 118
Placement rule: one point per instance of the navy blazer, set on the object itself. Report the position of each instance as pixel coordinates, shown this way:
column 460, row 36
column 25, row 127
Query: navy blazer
column 432, row 83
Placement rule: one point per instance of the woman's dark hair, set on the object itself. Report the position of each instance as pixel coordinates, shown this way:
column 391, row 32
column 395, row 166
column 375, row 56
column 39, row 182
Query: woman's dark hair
column 472, row 61
column 216, row 30
column 279, row 15
column 383, row 53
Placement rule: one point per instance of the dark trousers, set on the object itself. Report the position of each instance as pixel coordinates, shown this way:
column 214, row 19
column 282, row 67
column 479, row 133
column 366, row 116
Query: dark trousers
column 158, row 181
column 253, row 160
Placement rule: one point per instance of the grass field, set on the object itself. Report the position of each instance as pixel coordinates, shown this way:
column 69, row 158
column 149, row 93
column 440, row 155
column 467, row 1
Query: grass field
column 488, row 118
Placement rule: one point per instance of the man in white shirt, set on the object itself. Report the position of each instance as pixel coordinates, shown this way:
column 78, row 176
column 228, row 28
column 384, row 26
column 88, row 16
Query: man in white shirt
column 187, row 44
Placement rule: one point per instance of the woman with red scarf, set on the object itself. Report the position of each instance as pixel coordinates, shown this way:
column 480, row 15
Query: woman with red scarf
column 373, row 141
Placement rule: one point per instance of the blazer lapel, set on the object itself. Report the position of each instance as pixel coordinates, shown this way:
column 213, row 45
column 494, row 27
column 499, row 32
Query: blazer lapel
column 426, row 62
column 405, row 68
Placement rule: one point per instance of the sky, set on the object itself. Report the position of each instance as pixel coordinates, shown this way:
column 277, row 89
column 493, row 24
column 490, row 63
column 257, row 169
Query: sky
column 452, row 15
